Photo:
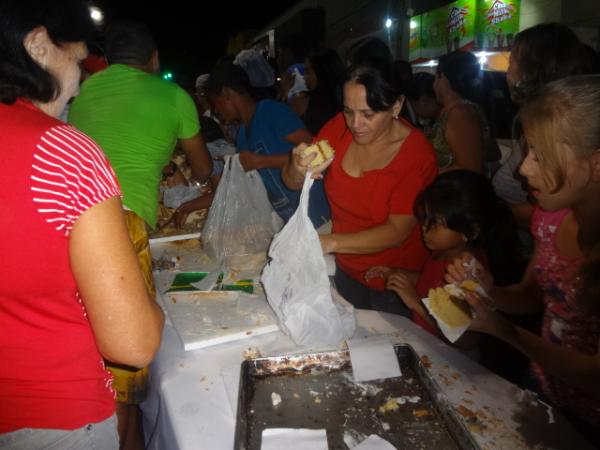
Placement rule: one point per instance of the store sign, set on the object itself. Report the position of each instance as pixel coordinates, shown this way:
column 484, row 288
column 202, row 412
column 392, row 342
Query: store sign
column 500, row 12
column 497, row 23
column 447, row 28
column 457, row 19
column 460, row 24
column 414, row 40
column 464, row 24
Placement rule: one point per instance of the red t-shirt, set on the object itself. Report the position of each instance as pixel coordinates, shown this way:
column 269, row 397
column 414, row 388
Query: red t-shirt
column 51, row 372
column 360, row 203
column 431, row 277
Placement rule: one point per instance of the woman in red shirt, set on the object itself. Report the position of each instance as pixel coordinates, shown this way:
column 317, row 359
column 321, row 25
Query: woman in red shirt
column 381, row 164
column 72, row 292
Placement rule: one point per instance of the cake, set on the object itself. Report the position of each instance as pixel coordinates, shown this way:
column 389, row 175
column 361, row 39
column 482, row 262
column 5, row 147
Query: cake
column 470, row 285
column 448, row 307
column 324, row 152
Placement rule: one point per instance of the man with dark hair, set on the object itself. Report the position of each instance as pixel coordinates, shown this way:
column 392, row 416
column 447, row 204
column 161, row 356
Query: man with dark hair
column 137, row 118
column 369, row 50
column 128, row 42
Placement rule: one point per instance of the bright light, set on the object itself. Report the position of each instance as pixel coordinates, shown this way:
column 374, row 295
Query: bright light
column 388, row 22
column 432, row 63
column 483, row 58
column 167, row 76
column 413, row 24
column 96, row 14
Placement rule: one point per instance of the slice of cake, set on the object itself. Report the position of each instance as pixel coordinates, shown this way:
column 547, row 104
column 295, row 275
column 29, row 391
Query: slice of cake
column 470, row 285
column 324, row 152
column 451, row 310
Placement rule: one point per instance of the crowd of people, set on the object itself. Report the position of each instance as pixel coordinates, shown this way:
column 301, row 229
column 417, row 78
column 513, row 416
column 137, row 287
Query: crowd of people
column 416, row 194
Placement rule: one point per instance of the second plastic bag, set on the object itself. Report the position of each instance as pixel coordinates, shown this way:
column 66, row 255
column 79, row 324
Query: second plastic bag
column 297, row 284
column 241, row 220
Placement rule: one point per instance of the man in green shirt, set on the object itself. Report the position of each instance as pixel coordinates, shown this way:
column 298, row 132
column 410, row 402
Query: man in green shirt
column 138, row 118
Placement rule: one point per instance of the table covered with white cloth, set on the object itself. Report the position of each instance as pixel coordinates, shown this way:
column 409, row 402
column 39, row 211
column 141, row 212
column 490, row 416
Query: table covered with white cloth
column 193, row 395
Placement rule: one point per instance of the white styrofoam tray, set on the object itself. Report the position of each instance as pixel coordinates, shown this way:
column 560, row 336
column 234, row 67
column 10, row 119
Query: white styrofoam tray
column 203, row 319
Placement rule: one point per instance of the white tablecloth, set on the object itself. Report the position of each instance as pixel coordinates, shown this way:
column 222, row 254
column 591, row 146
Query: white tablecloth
column 189, row 405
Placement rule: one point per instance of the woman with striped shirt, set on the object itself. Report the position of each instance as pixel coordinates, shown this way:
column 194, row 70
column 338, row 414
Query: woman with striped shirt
column 71, row 293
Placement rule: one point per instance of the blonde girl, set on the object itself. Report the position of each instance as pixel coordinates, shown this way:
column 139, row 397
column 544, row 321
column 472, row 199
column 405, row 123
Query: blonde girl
column 562, row 167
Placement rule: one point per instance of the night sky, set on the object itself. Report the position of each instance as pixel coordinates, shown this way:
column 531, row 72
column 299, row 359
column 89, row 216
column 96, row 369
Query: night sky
column 189, row 38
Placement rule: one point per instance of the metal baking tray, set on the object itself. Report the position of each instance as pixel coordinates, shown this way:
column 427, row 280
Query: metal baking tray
column 317, row 391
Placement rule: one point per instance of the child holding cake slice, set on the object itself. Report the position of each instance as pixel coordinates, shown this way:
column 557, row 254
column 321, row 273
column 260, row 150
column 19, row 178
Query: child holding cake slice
column 459, row 212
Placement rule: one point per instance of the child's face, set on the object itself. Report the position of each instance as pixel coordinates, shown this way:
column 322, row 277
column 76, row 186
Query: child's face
column 543, row 184
column 441, row 238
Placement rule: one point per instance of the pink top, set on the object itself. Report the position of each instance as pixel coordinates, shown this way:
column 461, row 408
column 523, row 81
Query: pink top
column 565, row 323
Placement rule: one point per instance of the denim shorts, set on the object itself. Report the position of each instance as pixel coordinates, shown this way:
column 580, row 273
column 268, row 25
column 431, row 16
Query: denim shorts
column 97, row 436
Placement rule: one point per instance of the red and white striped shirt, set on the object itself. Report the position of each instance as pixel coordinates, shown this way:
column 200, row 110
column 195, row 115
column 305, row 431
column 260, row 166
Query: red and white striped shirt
column 70, row 174
column 51, row 372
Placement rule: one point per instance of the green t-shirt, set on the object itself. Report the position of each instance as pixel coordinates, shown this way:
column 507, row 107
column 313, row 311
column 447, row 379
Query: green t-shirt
column 136, row 118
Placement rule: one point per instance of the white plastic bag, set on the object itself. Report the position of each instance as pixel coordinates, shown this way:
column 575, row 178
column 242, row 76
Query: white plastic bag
column 297, row 285
column 174, row 197
column 241, row 220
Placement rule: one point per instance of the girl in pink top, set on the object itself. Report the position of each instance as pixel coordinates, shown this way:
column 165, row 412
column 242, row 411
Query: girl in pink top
column 562, row 168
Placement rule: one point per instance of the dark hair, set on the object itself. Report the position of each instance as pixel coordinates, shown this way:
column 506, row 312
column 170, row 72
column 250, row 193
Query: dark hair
column 378, row 81
column 229, row 75
column 329, row 70
column 128, row 42
column 544, row 53
column 297, row 45
column 369, row 50
column 403, row 75
column 463, row 72
column 422, row 85
column 593, row 58
column 225, row 59
column 465, row 202
column 66, row 21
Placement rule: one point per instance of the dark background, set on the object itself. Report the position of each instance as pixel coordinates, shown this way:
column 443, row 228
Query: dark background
column 190, row 38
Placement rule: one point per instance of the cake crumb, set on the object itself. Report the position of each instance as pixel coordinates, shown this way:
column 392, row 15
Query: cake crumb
column 421, row 412
column 390, row 405
column 466, row 412
column 275, row 399
column 251, row 353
